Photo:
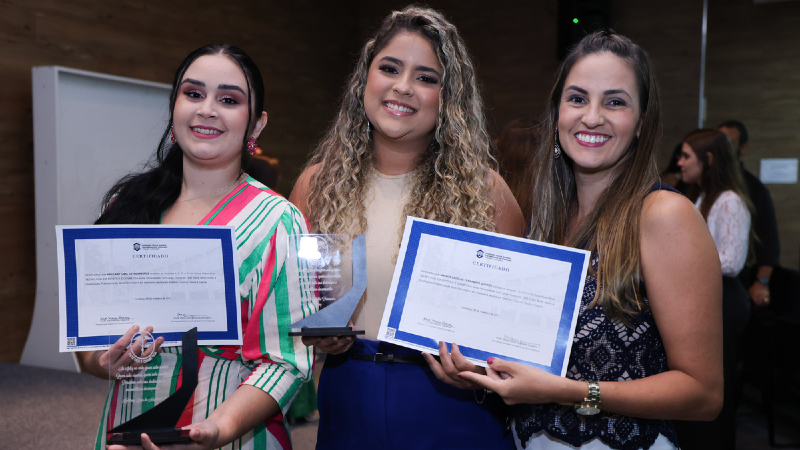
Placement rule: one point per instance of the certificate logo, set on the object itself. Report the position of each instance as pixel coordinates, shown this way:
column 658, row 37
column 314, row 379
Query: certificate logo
column 147, row 251
column 146, row 340
column 492, row 256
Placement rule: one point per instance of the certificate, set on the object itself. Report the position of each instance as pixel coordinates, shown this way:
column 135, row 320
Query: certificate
column 493, row 295
column 171, row 277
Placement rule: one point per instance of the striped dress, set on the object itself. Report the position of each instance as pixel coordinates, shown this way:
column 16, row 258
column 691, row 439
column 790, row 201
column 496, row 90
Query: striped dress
column 271, row 299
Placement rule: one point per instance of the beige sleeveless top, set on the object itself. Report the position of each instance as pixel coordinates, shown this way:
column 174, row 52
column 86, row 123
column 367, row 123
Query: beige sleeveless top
column 387, row 196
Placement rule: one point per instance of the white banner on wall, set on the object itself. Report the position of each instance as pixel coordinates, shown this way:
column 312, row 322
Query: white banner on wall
column 778, row 171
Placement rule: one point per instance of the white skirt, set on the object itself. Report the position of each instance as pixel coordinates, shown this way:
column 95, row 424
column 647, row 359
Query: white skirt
column 543, row 441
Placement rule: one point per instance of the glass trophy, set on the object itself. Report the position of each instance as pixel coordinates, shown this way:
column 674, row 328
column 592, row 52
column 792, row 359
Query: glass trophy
column 168, row 279
column 333, row 269
column 140, row 394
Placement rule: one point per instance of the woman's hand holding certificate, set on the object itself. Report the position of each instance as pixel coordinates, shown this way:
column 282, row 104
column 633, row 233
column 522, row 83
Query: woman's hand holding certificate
column 521, row 383
column 450, row 365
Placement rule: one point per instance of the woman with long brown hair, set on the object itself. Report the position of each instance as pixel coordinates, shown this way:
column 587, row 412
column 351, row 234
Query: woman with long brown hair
column 708, row 161
column 647, row 345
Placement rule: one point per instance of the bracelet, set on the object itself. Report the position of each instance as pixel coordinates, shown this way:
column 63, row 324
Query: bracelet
column 483, row 397
column 591, row 403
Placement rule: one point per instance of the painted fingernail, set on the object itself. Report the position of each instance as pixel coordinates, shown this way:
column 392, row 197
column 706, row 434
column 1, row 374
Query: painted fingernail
column 490, row 360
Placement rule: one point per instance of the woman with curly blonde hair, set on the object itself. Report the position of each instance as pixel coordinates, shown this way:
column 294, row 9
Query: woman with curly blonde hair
column 409, row 139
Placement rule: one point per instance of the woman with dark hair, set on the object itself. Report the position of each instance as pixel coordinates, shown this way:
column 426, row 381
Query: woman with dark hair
column 409, row 139
column 671, row 176
column 707, row 160
column 647, row 344
column 216, row 114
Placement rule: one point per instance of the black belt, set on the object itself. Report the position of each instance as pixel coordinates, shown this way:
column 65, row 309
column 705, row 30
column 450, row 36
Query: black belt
column 391, row 358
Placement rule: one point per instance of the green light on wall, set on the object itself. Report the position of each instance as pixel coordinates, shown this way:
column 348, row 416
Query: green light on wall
column 575, row 20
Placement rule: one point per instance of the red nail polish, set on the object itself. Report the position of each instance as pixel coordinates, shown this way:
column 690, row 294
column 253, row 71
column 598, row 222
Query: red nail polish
column 490, row 360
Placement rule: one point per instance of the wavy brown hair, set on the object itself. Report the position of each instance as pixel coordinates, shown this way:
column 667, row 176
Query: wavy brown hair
column 450, row 182
column 611, row 231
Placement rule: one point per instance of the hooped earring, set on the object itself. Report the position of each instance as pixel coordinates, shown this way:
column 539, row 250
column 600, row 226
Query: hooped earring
column 172, row 134
column 557, row 147
column 252, row 145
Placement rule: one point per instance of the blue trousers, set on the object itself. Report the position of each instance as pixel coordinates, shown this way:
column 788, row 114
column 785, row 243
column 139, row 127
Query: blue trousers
column 368, row 405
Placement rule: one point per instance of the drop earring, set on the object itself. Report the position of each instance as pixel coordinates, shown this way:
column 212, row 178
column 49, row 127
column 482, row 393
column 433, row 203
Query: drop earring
column 556, row 147
column 369, row 129
column 171, row 134
column 252, row 145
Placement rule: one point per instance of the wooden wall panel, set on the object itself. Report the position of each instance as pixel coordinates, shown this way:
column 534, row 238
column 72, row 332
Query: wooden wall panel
column 302, row 47
column 306, row 49
column 671, row 34
column 753, row 75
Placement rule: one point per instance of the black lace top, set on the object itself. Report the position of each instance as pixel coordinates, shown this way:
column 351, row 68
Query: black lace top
column 603, row 350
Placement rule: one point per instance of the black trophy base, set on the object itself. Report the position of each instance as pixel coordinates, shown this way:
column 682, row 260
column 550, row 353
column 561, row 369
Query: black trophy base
column 158, row 436
column 320, row 332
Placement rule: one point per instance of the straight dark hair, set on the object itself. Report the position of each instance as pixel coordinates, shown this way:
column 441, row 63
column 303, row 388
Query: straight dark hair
column 142, row 198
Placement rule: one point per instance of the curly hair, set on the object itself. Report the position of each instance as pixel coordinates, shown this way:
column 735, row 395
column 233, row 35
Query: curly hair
column 612, row 229
column 450, row 181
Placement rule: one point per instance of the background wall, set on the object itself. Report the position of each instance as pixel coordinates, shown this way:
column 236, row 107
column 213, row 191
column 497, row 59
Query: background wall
column 306, row 49
column 754, row 76
column 299, row 46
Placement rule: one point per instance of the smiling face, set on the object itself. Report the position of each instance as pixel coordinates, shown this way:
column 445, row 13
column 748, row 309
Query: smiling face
column 598, row 116
column 210, row 116
column 691, row 166
column 401, row 98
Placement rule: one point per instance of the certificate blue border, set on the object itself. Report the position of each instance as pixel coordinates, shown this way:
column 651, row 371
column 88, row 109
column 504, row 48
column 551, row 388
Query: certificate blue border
column 575, row 258
column 223, row 235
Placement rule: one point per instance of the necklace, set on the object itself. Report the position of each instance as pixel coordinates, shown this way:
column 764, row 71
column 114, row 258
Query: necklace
column 212, row 193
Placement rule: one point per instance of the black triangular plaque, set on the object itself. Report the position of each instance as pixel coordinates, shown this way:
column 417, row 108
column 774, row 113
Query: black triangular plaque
column 159, row 421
